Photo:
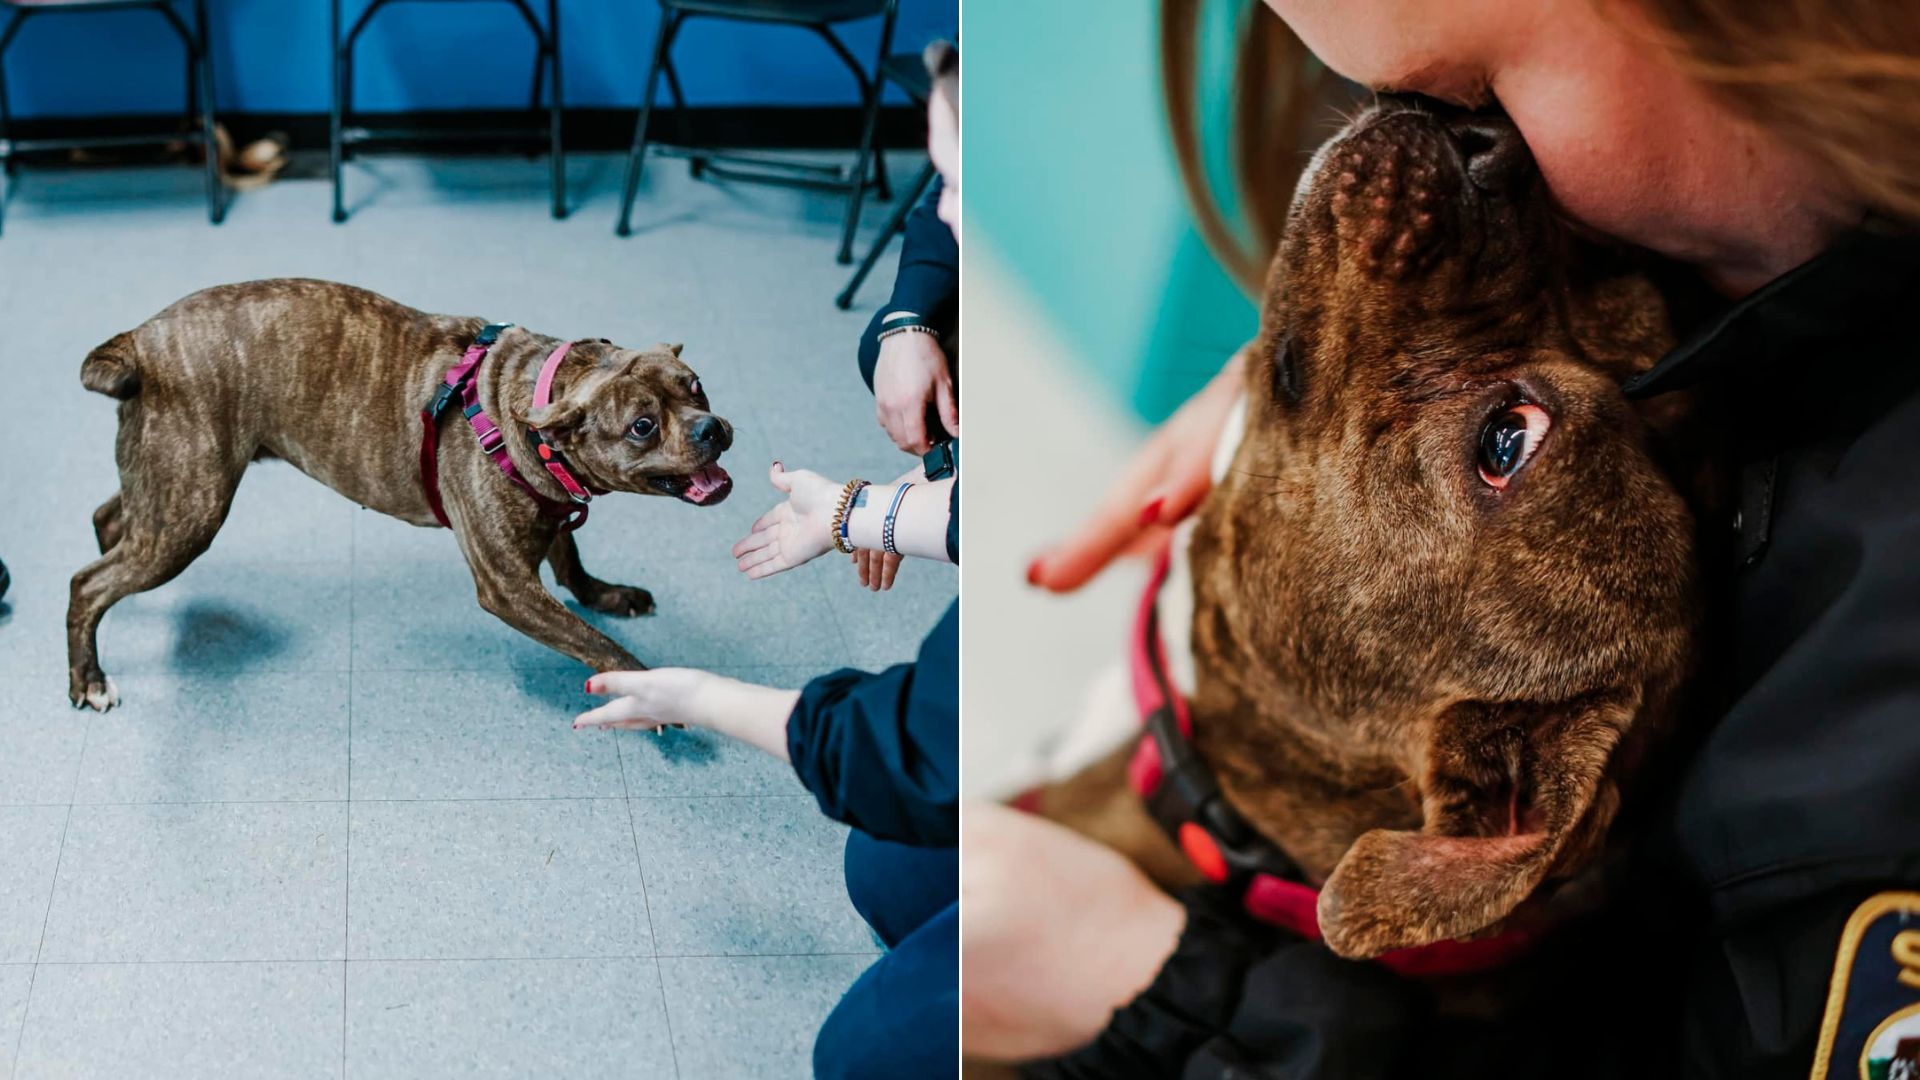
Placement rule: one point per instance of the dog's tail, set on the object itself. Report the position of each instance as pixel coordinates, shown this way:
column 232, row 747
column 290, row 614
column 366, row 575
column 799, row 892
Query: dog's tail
column 110, row 369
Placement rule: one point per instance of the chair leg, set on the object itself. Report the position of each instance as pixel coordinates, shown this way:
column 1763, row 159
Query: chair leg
column 696, row 165
column 857, row 186
column 896, row 223
column 336, row 120
column 8, row 166
column 636, row 157
column 6, row 147
column 203, row 64
column 556, row 107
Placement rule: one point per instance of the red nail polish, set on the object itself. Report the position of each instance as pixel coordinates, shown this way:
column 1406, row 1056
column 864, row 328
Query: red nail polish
column 1033, row 572
column 1151, row 513
column 589, row 686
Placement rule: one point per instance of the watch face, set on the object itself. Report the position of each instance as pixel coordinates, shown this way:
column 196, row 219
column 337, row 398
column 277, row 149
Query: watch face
column 939, row 461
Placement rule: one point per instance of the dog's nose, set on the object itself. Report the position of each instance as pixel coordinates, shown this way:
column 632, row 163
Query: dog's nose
column 709, row 433
column 1494, row 152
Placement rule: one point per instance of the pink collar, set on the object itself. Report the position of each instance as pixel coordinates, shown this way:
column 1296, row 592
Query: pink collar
column 550, row 455
column 1181, row 793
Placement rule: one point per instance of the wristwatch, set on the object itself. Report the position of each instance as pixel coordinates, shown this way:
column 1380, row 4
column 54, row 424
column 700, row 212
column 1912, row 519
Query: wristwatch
column 943, row 460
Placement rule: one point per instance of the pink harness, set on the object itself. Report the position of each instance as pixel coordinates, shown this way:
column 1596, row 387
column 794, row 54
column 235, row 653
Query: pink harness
column 461, row 382
column 1181, row 793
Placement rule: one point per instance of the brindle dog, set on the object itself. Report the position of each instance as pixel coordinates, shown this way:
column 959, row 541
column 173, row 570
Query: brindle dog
column 332, row 379
column 1446, row 596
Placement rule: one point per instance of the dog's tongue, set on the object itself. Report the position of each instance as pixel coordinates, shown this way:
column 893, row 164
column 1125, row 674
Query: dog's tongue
column 702, row 485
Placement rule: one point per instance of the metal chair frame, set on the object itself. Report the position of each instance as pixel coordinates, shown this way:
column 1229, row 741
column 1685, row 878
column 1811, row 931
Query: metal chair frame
column 854, row 181
column 897, row 221
column 199, row 85
column 345, row 137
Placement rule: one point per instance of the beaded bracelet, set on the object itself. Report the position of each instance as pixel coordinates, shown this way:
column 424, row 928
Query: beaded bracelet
column 838, row 530
column 886, row 529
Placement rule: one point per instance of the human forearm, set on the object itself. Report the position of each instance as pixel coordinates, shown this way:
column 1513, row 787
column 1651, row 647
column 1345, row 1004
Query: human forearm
column 753, row 714
column 920, row 522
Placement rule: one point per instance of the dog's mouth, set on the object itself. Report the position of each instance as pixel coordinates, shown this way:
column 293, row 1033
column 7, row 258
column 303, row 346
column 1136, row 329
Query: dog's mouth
column 708, row 486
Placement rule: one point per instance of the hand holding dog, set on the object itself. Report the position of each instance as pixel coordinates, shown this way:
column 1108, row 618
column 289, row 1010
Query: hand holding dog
column 912, row 373
column 793, row 533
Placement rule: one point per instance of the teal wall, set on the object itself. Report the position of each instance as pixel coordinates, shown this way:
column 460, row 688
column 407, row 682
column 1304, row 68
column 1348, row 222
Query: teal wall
column 1070, row 179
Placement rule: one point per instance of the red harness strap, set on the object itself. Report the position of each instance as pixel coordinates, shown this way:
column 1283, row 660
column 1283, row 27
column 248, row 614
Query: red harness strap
column 460, row 381
column 1182, row 794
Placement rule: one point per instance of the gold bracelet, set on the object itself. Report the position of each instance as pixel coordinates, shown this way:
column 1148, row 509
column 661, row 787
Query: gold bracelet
column 838, row 528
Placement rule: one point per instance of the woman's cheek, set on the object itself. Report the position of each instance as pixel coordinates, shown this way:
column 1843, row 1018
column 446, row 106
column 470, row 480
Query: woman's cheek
column 1604, row 169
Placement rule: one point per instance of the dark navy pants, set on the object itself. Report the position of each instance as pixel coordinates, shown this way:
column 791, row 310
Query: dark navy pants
column 901, row 1019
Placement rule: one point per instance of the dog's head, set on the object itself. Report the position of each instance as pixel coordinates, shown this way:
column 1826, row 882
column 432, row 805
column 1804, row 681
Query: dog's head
column 1445, row 577
column 637, row 420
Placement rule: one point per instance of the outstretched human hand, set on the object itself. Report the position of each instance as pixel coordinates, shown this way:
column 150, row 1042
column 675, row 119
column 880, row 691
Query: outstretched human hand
column 796, row 531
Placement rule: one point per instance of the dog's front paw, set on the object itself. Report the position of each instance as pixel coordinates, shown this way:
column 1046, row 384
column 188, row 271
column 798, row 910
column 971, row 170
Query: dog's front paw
column 96, row 692
column 623, row 600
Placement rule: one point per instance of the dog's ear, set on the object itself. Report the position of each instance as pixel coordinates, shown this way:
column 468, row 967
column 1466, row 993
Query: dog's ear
column 1486, row 845
column 675, row 348
column 558, row 419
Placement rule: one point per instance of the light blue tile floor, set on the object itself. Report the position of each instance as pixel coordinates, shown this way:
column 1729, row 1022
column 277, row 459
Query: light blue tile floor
column 340, row 825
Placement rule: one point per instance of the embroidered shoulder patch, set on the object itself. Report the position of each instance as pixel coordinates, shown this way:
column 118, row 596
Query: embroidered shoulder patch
column 1872, row 1025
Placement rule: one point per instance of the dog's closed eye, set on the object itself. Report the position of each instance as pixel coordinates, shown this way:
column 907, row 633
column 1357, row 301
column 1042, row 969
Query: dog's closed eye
column 1286, row 374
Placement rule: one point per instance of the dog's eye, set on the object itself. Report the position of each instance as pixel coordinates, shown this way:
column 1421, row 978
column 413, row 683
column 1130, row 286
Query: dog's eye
column 1285, row 377
column 695, row 389
column 642, row 429
column 1508, row 441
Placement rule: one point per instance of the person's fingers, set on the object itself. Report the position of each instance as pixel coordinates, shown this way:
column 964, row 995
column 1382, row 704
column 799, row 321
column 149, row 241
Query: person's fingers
column 913, row 428
column 619, row 683
column 757, row 557
column 1105, row 535
column 777, row 476
column 1192, row 478
column 949, row 407
column 760, row 537
column 620, row 712
column 772, row 517
column 889, row 569
column 765, row 569
column 860, row 567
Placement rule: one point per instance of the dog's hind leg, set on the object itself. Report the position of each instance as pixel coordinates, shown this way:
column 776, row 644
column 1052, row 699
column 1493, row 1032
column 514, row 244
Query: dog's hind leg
column 108, row 524
column 171, row 503
column 564, row 557
column 506, row 577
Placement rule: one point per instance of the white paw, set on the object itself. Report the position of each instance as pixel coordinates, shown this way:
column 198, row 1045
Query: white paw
column 101, row 700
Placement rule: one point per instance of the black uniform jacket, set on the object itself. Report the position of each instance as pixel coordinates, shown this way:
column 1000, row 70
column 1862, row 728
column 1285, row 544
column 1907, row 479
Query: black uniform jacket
column 1798, row 804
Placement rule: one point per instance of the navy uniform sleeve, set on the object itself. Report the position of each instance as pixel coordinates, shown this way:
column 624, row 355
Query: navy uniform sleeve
column 881, row 751
column 927, row 283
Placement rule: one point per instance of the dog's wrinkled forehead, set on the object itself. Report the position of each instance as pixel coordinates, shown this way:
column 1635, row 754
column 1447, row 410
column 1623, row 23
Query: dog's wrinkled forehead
column 657, row 373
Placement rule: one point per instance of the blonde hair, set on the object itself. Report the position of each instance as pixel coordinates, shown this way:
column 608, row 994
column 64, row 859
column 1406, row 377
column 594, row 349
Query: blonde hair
column 1838, row 80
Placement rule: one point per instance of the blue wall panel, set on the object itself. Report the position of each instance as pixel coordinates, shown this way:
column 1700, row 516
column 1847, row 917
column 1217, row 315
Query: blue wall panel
column 272, row 57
